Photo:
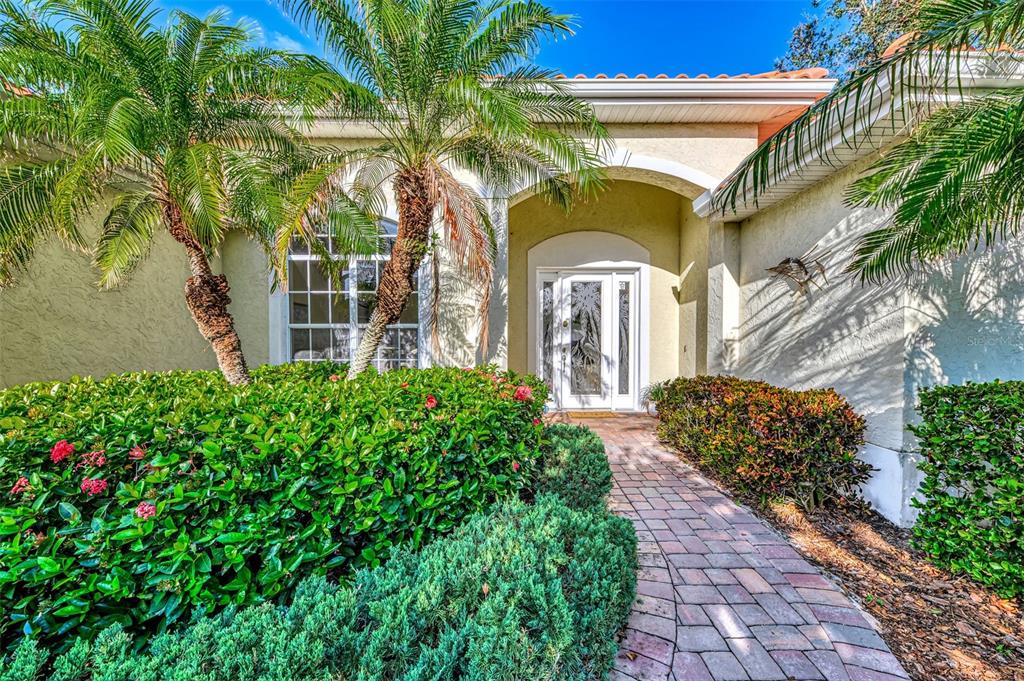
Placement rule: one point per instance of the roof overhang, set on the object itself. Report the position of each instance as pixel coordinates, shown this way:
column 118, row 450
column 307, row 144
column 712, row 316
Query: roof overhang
column 698, row 100
column 881, row 121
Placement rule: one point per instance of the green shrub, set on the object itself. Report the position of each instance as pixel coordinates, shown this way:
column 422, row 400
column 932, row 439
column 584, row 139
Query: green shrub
column 574, row 466
column 972, row 496
column 185, row 495
column 767, row 442
column 524, row 592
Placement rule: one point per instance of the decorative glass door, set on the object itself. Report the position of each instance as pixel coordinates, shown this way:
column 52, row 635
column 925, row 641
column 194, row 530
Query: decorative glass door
column 586, row 338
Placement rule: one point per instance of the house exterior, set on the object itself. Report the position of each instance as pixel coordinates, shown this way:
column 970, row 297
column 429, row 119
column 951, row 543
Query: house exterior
column 650, row 280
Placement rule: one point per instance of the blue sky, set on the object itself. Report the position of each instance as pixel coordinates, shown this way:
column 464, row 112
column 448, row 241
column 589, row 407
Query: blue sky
column 630, row 36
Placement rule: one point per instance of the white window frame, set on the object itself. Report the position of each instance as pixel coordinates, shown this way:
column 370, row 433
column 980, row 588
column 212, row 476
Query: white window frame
column 280, row 324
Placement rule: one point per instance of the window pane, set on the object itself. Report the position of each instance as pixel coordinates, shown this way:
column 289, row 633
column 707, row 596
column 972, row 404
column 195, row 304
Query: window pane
column 408, row 343
column 366, row 276
column 299, row 305
column 623, row 337
column 300, row 344
column 365, row 302
column 321, row 343
column 317, row 279
column 297, row 270
column 340, row 309
column 298, row 247
column 319, row 308
column 585, row 341
column 340, row 344
column 547, row 332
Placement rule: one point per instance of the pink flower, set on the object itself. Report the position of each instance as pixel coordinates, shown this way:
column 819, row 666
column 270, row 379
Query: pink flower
column 335, row 378
column 145, row 510
column 95, row 459
column 431, row 402
column 61, row 451
column 93, row 486
column 515, row 466
column 21, row 486
column 536, row 422
column 136, row 453
column 523, row 393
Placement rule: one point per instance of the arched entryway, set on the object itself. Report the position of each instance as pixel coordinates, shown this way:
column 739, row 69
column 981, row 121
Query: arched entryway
column 620, row 253
column 587, row 324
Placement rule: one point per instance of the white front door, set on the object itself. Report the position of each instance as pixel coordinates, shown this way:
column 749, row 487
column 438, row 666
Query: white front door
column 587, row 349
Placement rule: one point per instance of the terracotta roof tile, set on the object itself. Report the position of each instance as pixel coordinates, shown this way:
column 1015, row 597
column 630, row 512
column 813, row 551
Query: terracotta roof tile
column 777, row 75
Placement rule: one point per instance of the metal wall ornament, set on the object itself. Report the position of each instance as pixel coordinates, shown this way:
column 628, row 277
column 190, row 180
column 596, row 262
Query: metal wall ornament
column 801, row 273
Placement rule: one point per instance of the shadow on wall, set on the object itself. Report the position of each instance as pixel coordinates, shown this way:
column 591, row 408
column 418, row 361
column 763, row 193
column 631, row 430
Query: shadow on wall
column 832, row 332
column 966, row 320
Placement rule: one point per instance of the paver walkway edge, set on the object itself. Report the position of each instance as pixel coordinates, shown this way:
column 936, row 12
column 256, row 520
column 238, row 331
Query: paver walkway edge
column 721, row 596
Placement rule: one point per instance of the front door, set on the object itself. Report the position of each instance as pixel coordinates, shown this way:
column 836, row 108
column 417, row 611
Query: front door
column 587, row 338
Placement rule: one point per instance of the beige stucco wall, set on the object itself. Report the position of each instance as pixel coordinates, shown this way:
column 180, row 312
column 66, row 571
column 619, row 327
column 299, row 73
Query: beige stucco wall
column 715, row 149
column 693, row 293
column 648, row 215
column 843, row 335
column 55, row 323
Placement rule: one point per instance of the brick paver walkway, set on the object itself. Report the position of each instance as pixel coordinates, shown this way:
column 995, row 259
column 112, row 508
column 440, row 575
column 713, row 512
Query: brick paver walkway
column 720, row 595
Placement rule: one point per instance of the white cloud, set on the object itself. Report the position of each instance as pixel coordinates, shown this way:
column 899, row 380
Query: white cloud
column 279, row 41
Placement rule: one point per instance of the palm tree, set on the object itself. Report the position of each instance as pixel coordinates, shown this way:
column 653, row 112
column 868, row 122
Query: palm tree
column 449, row 87
column 956, row 182
column 181, row 125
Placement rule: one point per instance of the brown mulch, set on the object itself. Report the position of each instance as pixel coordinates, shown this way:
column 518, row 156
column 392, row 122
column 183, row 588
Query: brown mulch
column 942, row 627
column 938, row 625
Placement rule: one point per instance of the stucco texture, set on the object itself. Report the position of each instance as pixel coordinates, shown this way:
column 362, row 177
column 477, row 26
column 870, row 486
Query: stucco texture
column 648, row 215
column 55, row 322
column 837, row 333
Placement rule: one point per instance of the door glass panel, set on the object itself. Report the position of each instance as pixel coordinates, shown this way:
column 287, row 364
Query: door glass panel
column 547, row 323
column 623, row 337
column 585, row 339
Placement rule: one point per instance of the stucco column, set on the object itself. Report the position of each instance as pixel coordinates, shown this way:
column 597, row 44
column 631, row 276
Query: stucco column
column 496, row 351
column 723, row 296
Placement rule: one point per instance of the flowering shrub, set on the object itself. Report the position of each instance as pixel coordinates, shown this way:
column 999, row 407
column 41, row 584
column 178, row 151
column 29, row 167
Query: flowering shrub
column 521, row 592
column 972, row 495
column 143, row 498
column 767, row 442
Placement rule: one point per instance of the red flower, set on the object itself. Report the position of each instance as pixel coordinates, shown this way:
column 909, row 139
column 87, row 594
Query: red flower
column 21, row 486
column 536, row 422
column 136, row 453
column 335, row 378
column 515, row 466
column 61, row 451
column 145, row 510
column 431, row 402
column 523, row 393
column 405, row 385
column 93, row 486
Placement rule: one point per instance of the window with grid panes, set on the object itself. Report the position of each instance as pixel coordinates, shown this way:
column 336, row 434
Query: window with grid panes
column 324, row 323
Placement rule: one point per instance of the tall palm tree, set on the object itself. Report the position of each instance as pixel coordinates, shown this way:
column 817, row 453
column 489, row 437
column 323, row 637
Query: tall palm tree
column 182, row 125
column 449, row 87
column 958, row 180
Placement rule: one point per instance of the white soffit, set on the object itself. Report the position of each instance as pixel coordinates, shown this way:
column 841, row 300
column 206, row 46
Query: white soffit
column 697, row 100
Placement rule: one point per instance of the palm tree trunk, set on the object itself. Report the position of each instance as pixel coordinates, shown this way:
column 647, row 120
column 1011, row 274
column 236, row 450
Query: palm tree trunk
column 415, row 217
column 206, row 295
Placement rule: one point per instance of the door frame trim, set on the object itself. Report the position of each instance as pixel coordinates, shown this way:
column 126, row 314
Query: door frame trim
column 588, row 250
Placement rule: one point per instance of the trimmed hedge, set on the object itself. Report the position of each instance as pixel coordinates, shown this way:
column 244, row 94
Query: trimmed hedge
column 143, row 498
column 972, row 496
column 524, row 592
column 574, row 466
column 767, row 442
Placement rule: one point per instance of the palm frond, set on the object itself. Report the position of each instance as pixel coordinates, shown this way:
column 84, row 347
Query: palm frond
column 952, row 186
column 926, row 70
column 126, row 237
